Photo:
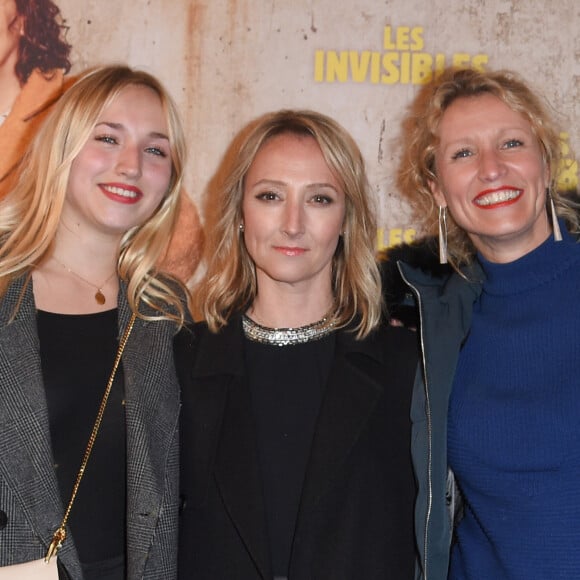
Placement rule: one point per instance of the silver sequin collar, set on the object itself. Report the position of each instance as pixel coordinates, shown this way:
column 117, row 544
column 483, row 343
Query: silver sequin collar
column 286, row 336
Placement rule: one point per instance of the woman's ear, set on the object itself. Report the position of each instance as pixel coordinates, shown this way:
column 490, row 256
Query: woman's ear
column 16, row 25
column 438, row 195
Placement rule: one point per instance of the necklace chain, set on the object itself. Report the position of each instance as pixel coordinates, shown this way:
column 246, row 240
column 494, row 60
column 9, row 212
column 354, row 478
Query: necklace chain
column 286, row 336
column 99, row 296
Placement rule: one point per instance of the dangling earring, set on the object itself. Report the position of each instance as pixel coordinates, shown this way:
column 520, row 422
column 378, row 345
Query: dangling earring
column 241, row 228
column 555, row 224
column 442, row 235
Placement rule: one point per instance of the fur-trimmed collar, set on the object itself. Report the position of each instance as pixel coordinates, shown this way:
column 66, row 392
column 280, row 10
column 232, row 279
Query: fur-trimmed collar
column 422, row 254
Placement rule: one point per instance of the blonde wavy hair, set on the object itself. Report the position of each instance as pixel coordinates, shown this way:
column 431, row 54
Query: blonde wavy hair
column 230, row 281
column 30, row 214
column 419, row 145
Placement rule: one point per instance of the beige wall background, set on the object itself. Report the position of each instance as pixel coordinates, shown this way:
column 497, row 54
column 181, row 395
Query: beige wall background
column 228, row 61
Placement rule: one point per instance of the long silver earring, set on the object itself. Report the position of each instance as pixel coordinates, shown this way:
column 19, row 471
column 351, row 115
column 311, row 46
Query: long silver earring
column 555, row 224
column 442, row 235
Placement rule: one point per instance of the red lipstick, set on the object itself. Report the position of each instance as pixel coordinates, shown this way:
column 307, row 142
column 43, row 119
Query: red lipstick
column 497, row 197
column 121, row 192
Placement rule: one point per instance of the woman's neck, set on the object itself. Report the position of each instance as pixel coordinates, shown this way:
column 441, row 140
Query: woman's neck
column 79, row 279
column 85, row 253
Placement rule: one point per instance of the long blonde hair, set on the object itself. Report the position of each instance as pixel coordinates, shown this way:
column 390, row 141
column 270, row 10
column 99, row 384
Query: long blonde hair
column 30, row 214
column 230, row 281
column 419, row 139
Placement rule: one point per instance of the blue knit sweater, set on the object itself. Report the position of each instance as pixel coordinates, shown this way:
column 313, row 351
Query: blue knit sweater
column 514, row 421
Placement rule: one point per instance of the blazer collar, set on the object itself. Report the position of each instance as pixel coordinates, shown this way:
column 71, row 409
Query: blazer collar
column 24, row 427
column 152, row 414
column 223, row 405
column 355, row 385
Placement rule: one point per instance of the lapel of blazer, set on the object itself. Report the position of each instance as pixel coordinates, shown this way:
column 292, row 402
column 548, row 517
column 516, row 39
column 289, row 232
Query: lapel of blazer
column 221, row 375
column 152, row 413
column 26, row 465
column 350, row 398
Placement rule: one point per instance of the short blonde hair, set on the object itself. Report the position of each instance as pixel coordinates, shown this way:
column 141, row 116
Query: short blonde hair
column 31, row 212
column 230, row 281
column 417, row 168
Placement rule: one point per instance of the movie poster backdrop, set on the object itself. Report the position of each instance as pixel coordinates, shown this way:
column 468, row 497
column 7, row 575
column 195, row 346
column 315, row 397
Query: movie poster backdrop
column 228, row 61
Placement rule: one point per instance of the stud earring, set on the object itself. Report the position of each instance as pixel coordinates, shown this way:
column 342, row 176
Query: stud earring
column 241, row 228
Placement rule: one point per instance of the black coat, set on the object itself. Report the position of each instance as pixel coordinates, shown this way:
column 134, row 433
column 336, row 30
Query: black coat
column 356, row 511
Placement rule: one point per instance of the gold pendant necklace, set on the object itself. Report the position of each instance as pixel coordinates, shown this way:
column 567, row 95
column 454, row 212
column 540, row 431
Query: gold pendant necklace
column 99, row 296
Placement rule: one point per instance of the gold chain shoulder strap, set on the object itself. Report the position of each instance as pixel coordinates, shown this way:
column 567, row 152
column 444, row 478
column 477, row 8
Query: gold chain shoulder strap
column 60, row 534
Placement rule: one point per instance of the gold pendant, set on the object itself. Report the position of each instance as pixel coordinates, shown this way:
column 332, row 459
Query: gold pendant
column 100, row 297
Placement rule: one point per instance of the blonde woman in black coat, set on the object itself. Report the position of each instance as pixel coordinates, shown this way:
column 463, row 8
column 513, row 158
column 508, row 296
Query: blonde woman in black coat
column 295, row 415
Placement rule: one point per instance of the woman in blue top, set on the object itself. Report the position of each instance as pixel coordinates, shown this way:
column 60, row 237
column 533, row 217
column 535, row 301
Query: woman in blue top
column 497, row 398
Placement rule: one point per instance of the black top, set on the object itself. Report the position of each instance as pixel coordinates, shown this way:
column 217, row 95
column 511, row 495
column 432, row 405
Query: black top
column 77, row 354
column 287, row 386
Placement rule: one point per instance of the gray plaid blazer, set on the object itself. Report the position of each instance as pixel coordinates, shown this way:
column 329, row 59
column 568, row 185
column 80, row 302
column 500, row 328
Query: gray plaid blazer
column 30, row 504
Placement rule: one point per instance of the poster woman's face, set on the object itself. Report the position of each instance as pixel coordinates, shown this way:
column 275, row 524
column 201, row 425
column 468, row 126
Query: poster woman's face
column 11, row 24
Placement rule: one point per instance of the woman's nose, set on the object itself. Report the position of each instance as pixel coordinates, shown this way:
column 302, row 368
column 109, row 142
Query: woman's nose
column 491, row 165
column 129, row 162
column 293, row 221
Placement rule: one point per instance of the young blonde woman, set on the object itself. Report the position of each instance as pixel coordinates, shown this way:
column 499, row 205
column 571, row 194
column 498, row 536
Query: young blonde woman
column 80, row 235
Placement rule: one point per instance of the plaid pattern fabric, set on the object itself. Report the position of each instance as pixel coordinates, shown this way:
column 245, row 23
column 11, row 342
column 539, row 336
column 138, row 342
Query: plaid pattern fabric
column 29, row 495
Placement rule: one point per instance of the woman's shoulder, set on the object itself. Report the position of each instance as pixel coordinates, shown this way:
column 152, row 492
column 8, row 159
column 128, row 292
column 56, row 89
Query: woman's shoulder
column 188, row 336
column 200, row 352
column 196, row 336
column 386, row 346
column 184, row 351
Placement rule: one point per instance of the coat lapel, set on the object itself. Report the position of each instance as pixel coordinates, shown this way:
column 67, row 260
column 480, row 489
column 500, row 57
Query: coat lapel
column 152, row 413
column 350, row 398
column 26, row 466
column 237, row 471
